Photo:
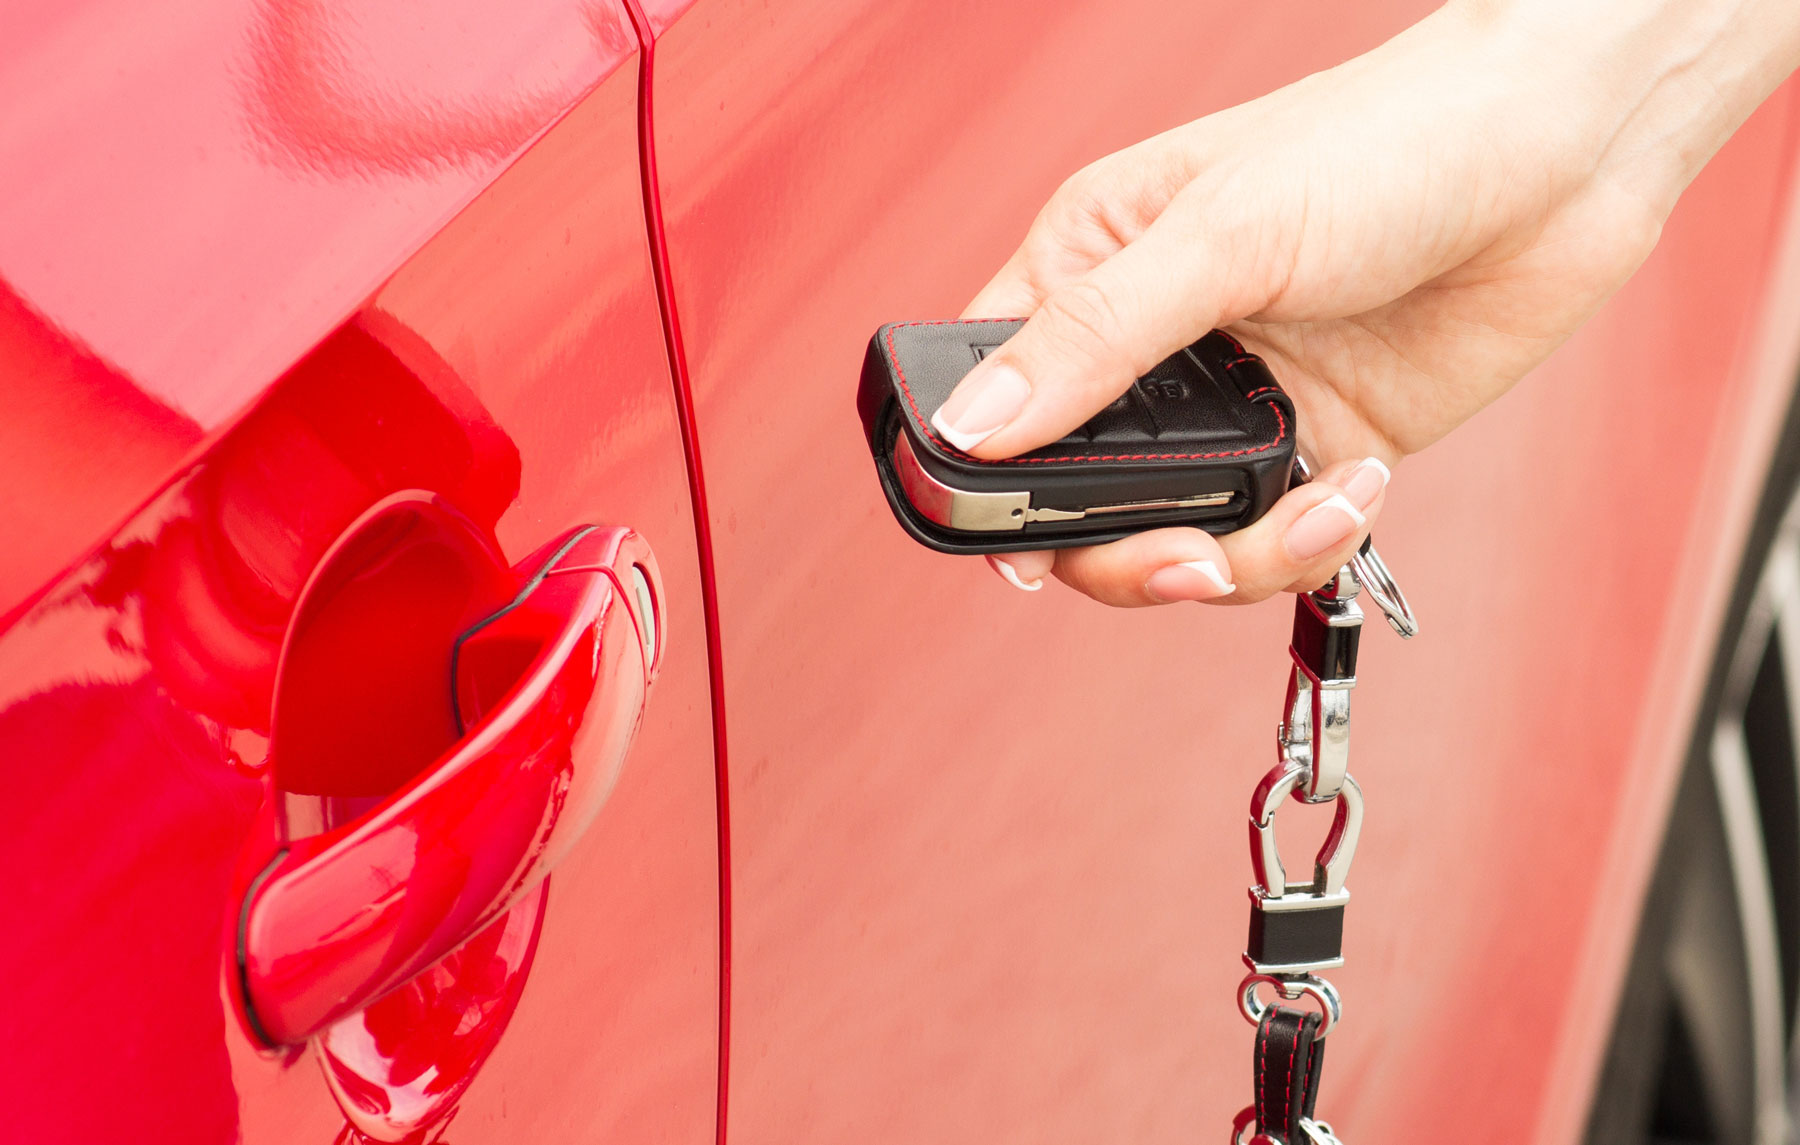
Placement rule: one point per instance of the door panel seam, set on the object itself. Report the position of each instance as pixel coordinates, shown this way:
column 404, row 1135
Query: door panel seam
column 690, row 444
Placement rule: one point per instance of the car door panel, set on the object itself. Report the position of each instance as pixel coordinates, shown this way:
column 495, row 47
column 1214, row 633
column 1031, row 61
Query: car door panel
column 997, row 898
column 503, row 352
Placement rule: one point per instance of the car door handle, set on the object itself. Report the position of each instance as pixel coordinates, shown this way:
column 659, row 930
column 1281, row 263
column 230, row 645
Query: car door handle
column 551, row 689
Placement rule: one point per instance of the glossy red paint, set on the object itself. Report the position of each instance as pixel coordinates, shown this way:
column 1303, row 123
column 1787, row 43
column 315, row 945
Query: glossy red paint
column 480, row 325
column 988, row 850
column 399, row 1066
column 197, row 198
column 180, row 620
column 552, row 689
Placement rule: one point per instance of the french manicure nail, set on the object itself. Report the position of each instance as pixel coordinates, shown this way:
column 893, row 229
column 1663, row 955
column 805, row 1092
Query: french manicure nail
column 981, row 403
column 1012, row 575
column 1366, row 482
column 1189, row 580
column 1323, row 527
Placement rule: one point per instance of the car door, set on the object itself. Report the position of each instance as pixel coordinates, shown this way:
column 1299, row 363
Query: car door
column 326, row 330
column 987, row 847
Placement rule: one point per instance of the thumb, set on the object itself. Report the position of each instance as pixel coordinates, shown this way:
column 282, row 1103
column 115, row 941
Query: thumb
column 1085, row 346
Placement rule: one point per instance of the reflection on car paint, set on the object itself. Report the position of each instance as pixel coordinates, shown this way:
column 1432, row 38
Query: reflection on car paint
column 151, row 666
column 398, row 1067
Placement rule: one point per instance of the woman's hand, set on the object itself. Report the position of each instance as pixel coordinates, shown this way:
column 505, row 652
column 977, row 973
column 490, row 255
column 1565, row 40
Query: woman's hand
column 1402, row 238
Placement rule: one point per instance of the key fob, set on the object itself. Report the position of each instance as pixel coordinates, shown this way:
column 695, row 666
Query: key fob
column 1205, row 439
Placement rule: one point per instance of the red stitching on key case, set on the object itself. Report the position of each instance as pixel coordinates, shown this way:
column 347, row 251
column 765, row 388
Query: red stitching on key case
column 925, row 423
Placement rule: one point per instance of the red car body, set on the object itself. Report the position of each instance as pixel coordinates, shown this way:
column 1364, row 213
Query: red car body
column 898, row 854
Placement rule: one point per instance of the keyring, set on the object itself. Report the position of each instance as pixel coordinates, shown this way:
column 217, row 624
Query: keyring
column 1331, row 1007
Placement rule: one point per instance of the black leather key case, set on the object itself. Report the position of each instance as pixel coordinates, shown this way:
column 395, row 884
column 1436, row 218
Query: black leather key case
column 1204, row 439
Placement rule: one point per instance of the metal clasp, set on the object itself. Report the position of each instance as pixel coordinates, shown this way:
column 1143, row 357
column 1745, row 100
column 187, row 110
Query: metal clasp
column 1316, row 733
column 1332, row 864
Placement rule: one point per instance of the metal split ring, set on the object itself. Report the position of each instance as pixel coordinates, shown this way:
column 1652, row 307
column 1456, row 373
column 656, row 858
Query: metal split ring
column 1331, row 1006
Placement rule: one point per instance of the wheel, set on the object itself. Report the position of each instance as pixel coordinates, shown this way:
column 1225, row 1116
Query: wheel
column 1703, row 1046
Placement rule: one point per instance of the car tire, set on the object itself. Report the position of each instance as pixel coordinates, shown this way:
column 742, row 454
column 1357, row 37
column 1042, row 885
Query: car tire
column 1702, row 1049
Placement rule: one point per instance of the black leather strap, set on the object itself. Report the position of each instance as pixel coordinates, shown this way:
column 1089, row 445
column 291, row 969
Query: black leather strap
column 1289, row 1059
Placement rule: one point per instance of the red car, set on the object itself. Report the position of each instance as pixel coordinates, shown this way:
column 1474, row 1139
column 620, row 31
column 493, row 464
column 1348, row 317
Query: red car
column 327, row 330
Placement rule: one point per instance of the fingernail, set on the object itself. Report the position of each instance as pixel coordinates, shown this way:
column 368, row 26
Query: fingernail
column 1190, row 580
column 1323, row 527
column 1012, row 576
column 1366, row 482
column 981, row 403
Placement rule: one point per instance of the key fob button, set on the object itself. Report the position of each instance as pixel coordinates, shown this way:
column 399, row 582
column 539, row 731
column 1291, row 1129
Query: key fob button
column 1126, row 420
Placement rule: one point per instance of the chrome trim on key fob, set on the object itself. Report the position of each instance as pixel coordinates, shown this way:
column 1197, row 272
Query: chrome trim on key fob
column 1003, row 512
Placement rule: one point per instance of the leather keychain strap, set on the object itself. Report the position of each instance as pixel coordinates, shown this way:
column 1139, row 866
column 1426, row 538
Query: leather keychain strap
column 1289, row 1060
column 1297, row 930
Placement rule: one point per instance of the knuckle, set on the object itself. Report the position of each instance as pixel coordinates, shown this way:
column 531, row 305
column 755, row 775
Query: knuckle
column 1074, row 571
column 1087, row 571
column 1252, row 593
column 1067, row 224
column 1085, row 190
column 1322, row 569
column 1082, row 314
column 1076, row 192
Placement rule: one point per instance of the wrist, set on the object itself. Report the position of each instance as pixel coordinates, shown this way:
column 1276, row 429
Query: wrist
column 1658, row 85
